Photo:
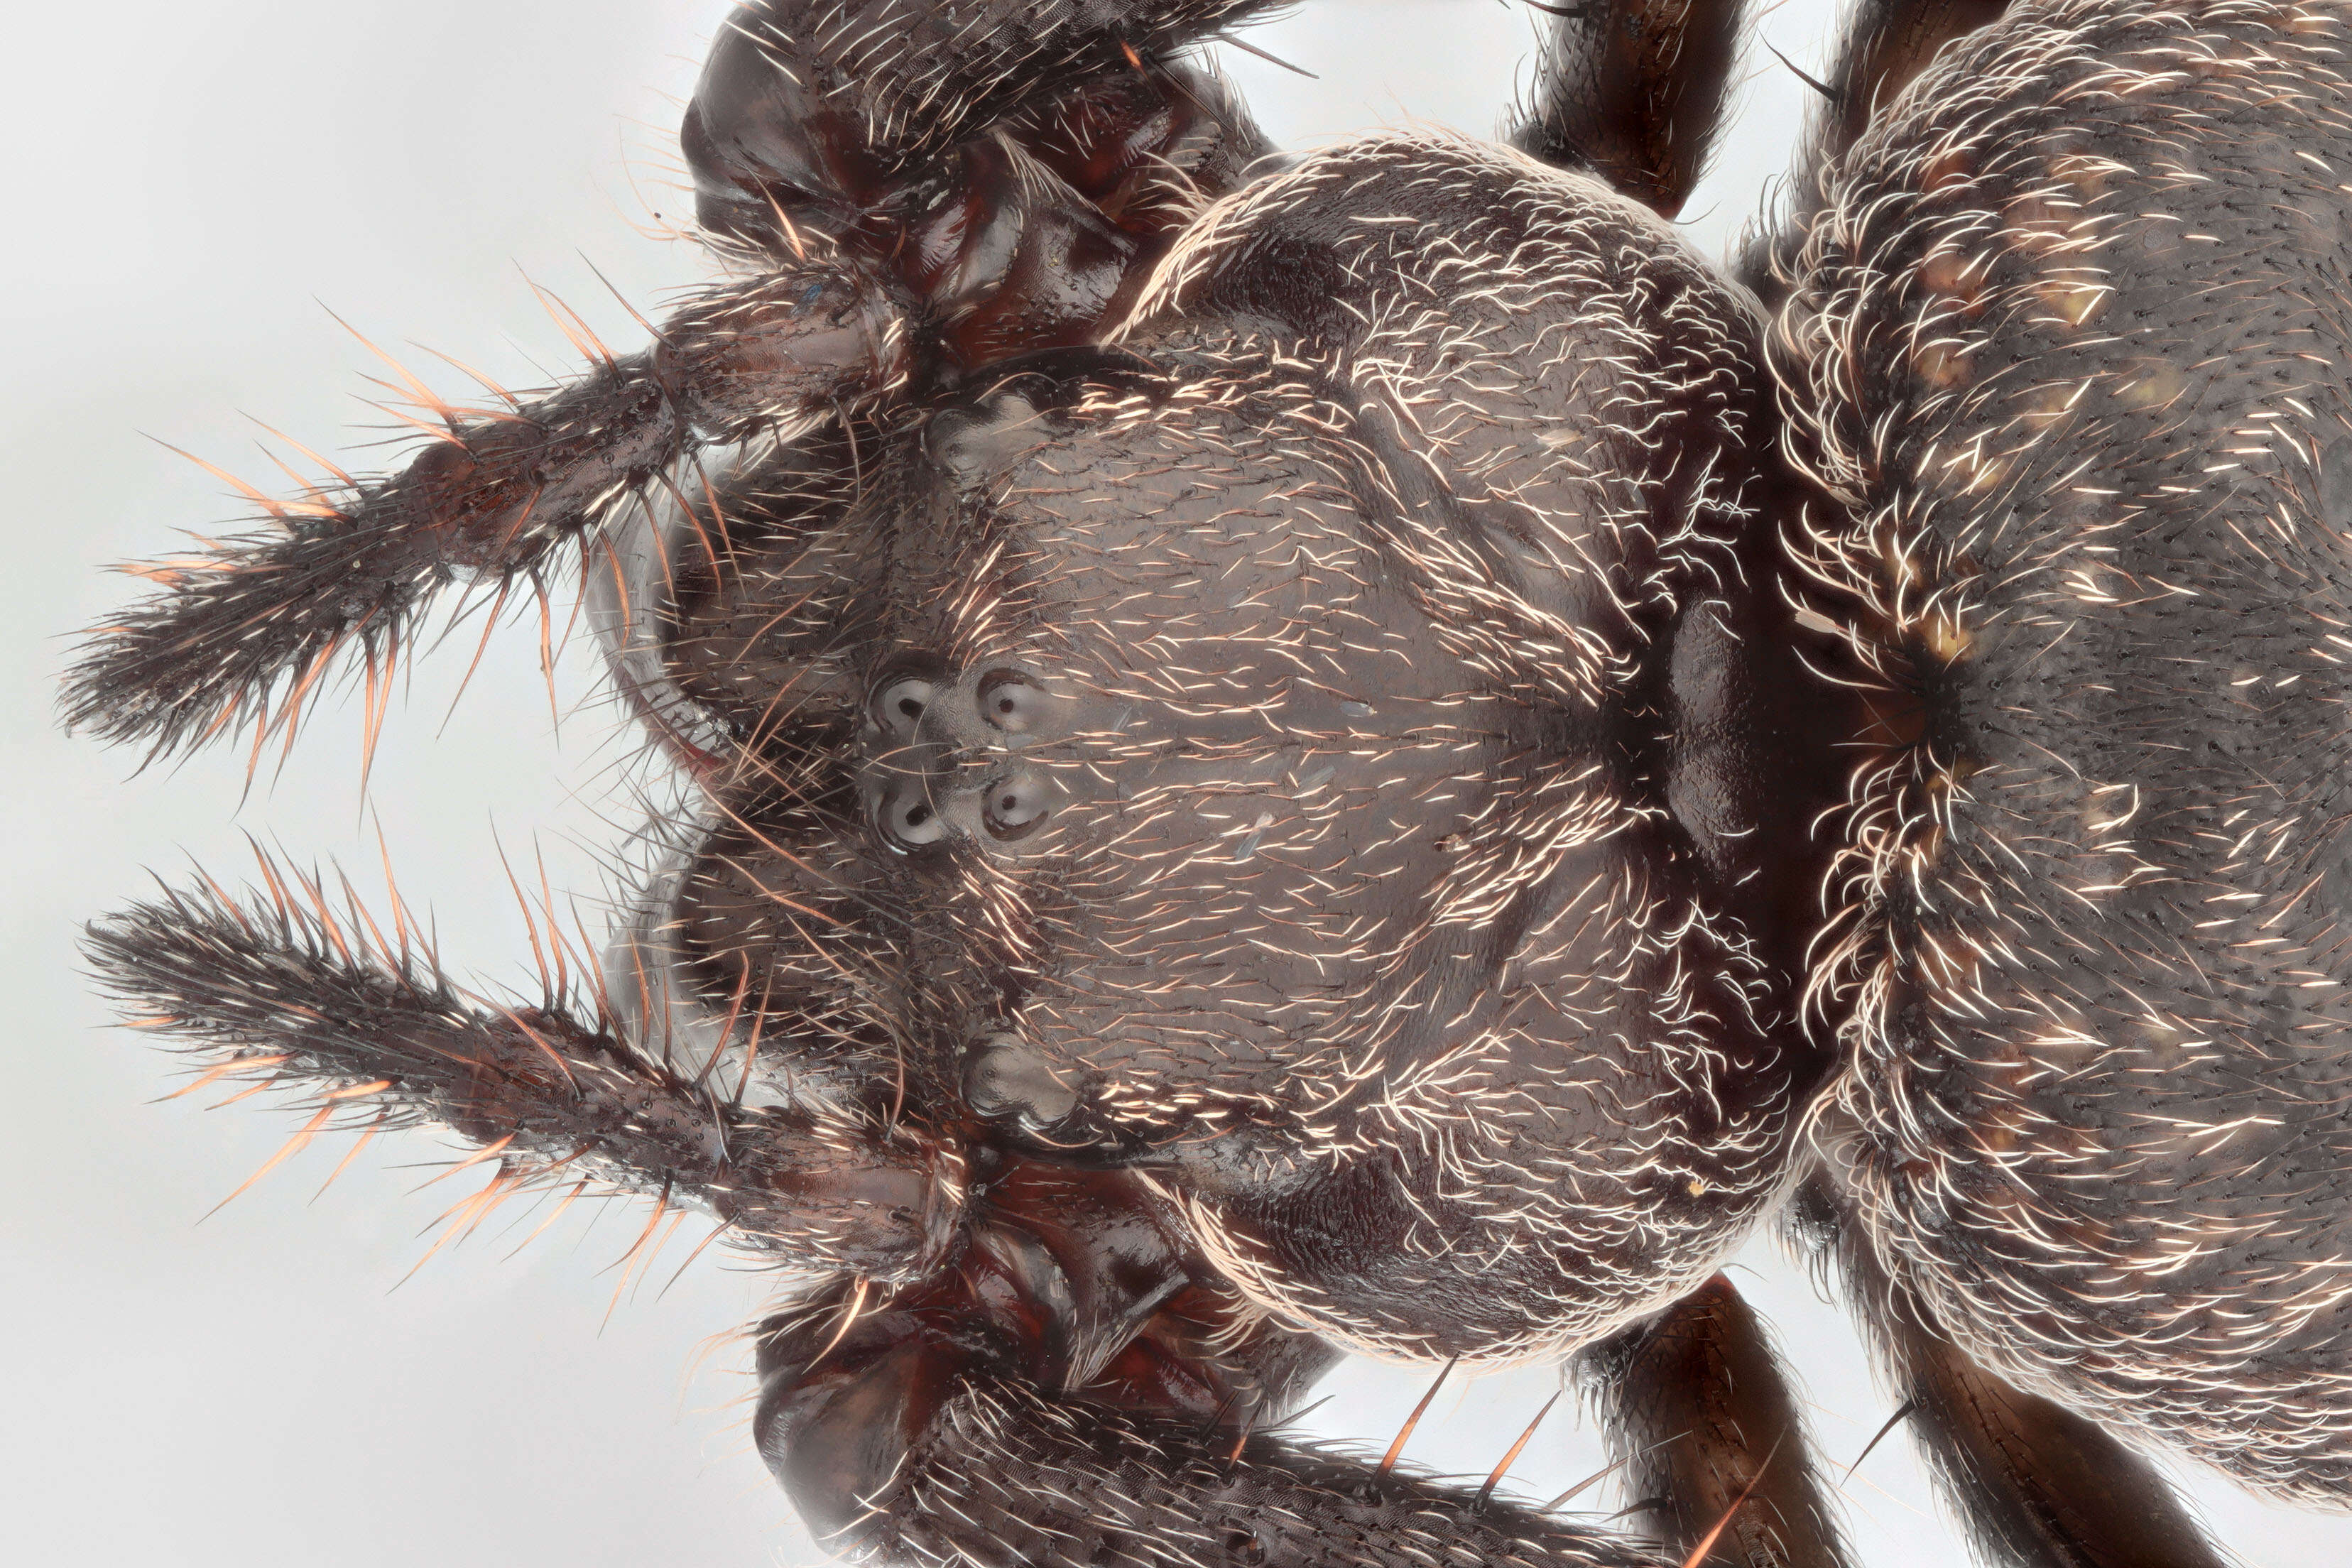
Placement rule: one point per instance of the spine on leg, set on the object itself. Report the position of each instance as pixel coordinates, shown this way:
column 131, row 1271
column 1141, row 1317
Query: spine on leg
column 2035, row 1484
column 1699, row 1412
column 915, row 1454
column 284, row 993
column 242, row 636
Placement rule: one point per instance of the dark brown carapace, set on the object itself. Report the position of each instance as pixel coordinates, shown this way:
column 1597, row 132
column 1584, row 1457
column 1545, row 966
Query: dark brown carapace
column 1362, row 752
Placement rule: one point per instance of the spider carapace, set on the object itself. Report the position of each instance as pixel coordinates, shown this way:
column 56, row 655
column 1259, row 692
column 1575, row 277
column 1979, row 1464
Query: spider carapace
column 1361, row 751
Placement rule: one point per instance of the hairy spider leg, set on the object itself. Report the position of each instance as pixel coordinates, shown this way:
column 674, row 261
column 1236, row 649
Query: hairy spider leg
column 808, row 109
column 291, row 994
column 1886, row 43
column 1883, row 46
column 2033, row 1483
column 1633, row 92
column 1697, row 1408
column 905, row 1444
column 1017, row 168
column 241, row 636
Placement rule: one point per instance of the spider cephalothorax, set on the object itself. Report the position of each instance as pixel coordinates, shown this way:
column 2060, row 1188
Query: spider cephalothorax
column 1348, row 753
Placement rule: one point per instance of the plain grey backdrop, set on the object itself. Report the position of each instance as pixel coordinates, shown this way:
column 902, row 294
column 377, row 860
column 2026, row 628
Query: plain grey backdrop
column 191, row 187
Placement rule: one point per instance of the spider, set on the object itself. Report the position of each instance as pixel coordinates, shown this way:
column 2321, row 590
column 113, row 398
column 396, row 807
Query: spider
column 1352, row 751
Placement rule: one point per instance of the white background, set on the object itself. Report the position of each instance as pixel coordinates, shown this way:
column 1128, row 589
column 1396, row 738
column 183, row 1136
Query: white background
column 188, row 185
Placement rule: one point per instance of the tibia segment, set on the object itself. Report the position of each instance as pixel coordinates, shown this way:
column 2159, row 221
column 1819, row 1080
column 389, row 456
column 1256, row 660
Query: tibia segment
column 241, row 636
column 287, row 994
column 917, row 76
column 1632, row 92
column 1884, row 45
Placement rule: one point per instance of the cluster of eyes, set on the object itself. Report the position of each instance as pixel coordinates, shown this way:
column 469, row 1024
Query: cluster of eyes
column 918, row 768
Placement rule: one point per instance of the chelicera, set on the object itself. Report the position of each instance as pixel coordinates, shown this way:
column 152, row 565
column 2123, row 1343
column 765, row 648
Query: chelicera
column 1365, row 752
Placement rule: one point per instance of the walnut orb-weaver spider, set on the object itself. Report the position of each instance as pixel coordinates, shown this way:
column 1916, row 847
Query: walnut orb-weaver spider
column 1203, row 1160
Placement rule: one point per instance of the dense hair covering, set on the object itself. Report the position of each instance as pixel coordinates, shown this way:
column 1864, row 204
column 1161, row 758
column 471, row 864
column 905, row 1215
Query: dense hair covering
column 2092, row 951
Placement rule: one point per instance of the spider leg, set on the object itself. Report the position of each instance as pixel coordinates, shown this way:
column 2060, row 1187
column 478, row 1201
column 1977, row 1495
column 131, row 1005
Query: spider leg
column 815, row 103
column 1885, row 45
column 933, row 185
column 1632, row 92
column 243, row 634
column 910, row 1441
column 290, row 994
column 1699, row 1413
column 1016, row 165
column 2035, row 1484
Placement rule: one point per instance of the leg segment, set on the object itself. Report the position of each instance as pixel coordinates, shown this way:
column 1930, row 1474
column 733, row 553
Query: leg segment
column 1015, row 166
column 1887, row 43
column 1633, row 91
column 912, row 1446
column 1700, row 1415
column 823, row 100
column 2035, row 1484
column 245, row 633
column 285, row 993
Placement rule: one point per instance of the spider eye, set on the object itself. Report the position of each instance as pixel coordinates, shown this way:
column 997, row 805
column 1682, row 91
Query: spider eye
column 1004, row 1075
column 908, row 818
column 1016, row 805
column 1010, row 702
column 900, row 704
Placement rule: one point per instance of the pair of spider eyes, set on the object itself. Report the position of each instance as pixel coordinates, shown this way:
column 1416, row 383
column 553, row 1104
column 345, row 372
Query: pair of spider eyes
column 1013, row 806
column 1004, row 699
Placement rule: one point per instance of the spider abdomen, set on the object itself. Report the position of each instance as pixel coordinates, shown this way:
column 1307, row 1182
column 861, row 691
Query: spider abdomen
column 2099, row 961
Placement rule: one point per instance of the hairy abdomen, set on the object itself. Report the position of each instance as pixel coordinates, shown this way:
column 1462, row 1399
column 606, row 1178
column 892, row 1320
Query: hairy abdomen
column 2093, row 956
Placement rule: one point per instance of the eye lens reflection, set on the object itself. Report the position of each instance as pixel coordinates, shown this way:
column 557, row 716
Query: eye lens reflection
column 1010, row 702
column 1015, row 805
column 909, row 819
column 899, row 706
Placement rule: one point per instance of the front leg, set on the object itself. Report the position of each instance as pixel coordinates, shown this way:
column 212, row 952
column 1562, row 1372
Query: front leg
column 1017, row 166
column 2035, row 1484
column 243, row 635
column 287, row 992
column 1632, row 92
column 902, row 1445
column 1884, row 45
